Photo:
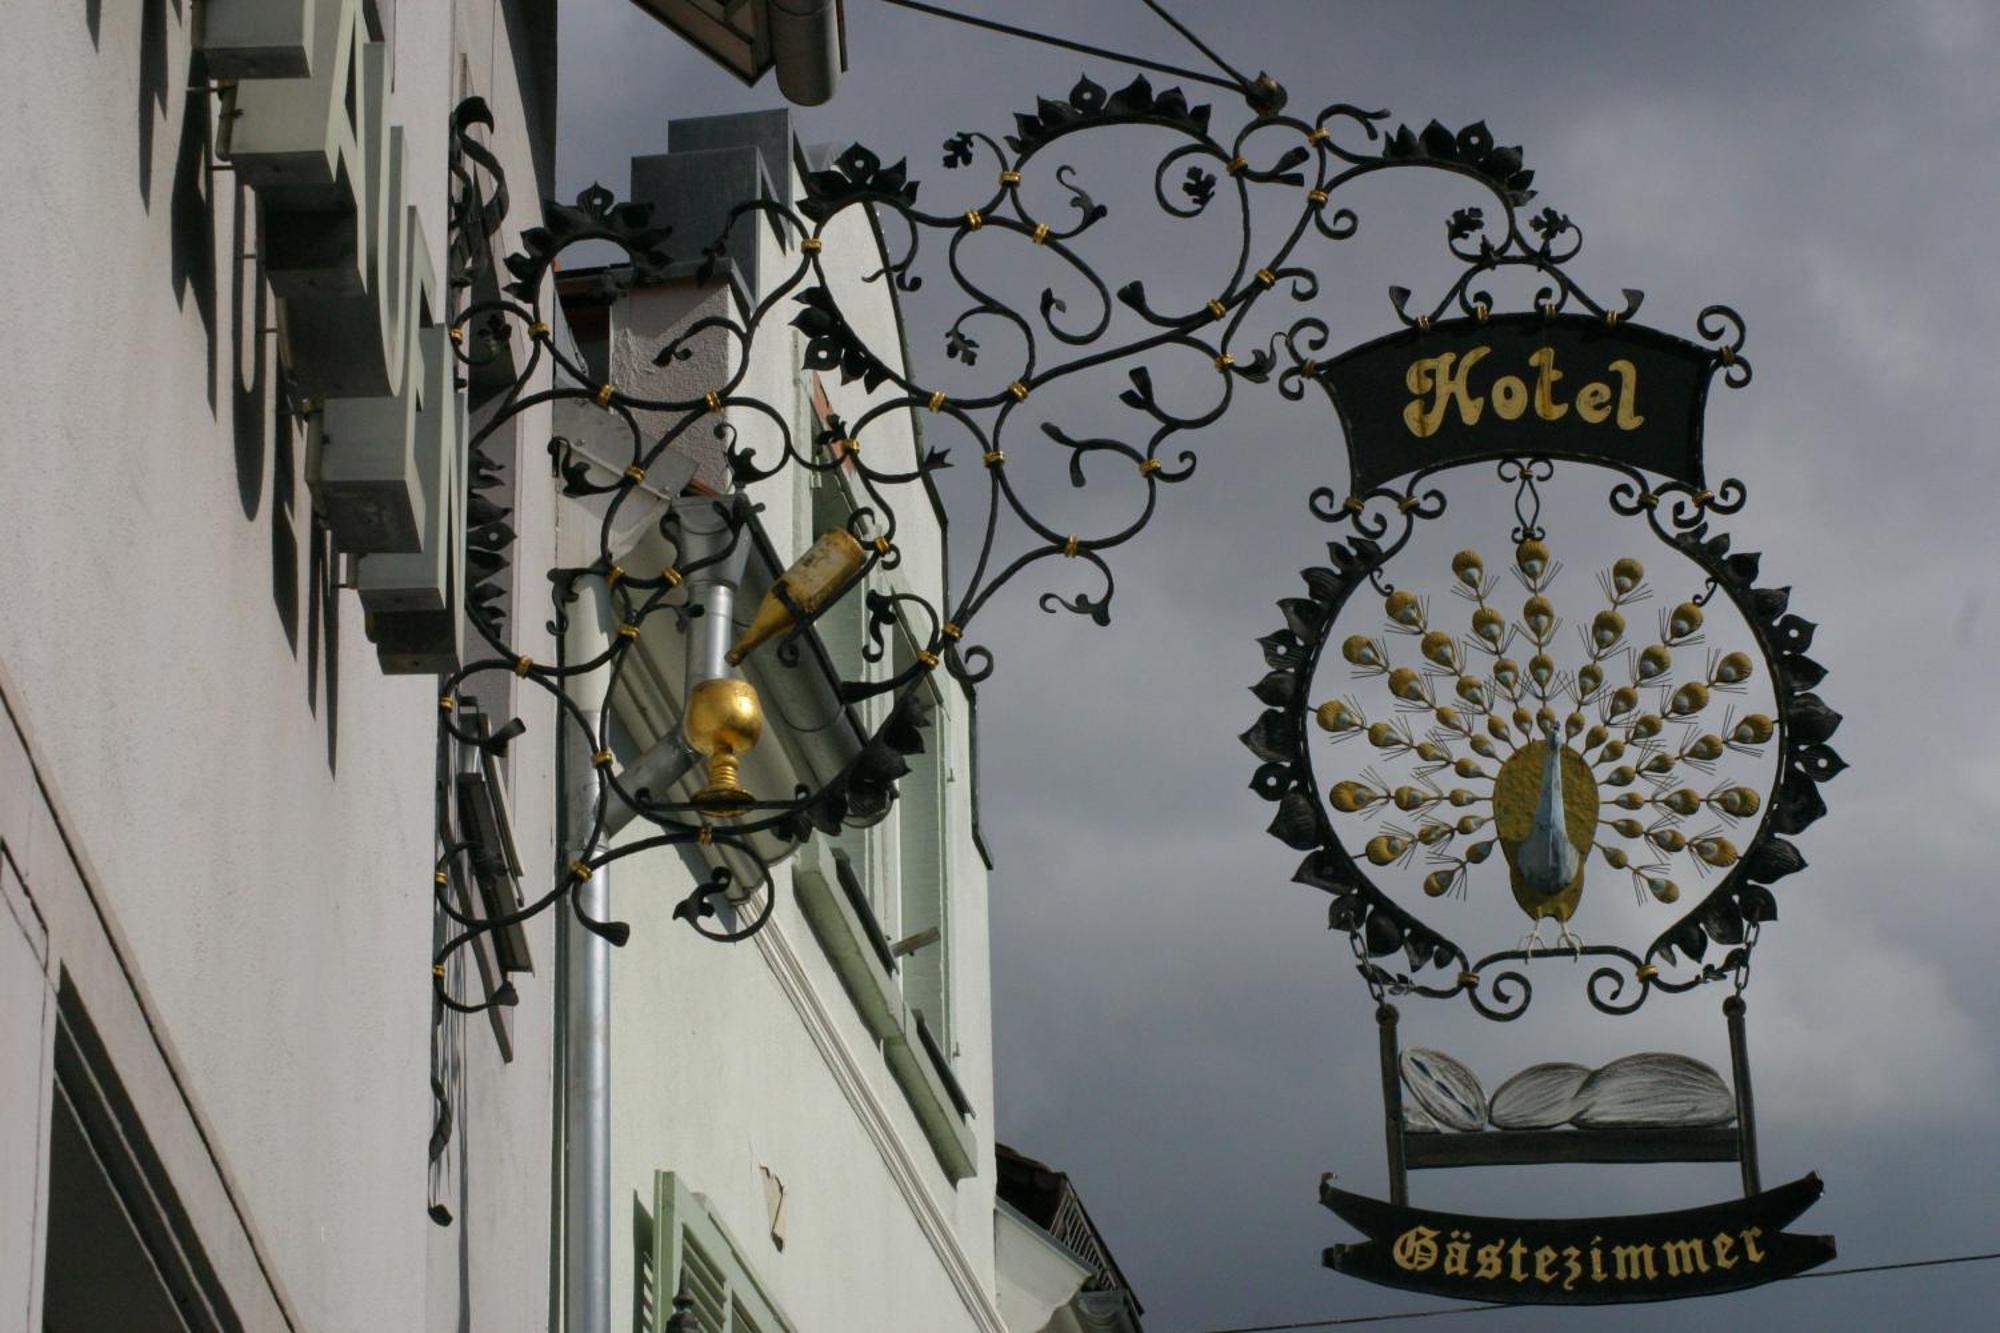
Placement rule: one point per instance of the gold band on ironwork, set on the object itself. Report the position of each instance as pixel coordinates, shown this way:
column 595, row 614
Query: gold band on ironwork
column 1308, row 367
column 1649, row 500
column 930, row 660
column 713, row 399
column 1069, row 549
column 1469, row 980
column 1237, row 166
column 445, row 703
column 881, row 545
column 938, row 400
column 1701, row 499
column 1480, row 310
column 1407, row 503
column 1041, row 233
column 1217, row 310
column 578, row 870
column 1318, row 196
column 1611, row 319
column 1150, row 466
column 995, row 457
column 628, row 631
column 1319, row 135
column 1265, row 276
column 1010, row 178
column 538, row 330
column 611, row 580
column 973, row 220
column 441, row 877
column 672, row 576
column 706, row 837
column 602, row 759
column 951, row 631
column 1019, row 389
column 1353, row 504
column 1548, row 310
column 457, row 334
column 1728, row 355
column 523, row 665
column 1224, row 362
column 1648, row 972
column 812, row 245
column 437, row 970
column 604, row 396
column 1423, row 323
column 635, row 474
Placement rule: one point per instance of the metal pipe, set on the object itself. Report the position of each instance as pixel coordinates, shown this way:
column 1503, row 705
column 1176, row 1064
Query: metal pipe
column 705, row 532
column 586, row 965
column 806, row 49
column 1746, row 1105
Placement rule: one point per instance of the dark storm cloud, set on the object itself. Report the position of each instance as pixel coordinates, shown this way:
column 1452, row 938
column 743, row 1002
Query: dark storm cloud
column 1173, row 1024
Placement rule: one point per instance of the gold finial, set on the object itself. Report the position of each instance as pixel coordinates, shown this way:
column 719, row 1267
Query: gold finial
column 604, row 395
column 1041, row 233
column 1010, row 178
column 973, row 220
column 1019, row 390
column 724, row 720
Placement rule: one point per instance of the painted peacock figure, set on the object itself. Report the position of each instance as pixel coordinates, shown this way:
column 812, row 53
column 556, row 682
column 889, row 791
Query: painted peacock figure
column 1549, row 764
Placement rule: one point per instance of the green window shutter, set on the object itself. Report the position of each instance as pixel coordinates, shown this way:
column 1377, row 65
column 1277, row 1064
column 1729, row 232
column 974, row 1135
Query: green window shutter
column 692, row 1250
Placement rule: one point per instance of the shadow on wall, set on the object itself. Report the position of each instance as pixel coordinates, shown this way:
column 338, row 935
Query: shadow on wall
column 266, row 440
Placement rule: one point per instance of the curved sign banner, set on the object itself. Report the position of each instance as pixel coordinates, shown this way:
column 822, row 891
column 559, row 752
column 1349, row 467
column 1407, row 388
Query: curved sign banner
column 1580, row 1260
column 1570, row 386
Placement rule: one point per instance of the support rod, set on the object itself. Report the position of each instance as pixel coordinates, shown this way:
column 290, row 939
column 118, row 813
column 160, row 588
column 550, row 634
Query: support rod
column 1746, row 1106
column 1392, row 1103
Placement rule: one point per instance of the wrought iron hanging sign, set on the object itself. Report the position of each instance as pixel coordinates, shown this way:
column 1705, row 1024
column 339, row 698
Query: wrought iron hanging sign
column 1467, row 727
column 1539, row 745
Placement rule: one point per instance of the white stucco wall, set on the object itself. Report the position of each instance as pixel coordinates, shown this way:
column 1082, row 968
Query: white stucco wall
column 730, row 1060
column 255, row 797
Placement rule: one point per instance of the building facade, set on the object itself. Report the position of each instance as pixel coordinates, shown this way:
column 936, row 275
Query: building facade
column 263, row 490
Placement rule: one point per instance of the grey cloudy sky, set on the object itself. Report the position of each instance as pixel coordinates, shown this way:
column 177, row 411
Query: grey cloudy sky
column 1173, row 1023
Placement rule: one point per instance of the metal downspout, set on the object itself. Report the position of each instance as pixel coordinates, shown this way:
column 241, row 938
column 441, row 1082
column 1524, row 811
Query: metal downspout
column 586, row 965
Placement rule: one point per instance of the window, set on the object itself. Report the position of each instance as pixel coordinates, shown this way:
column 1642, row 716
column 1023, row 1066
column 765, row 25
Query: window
column 694, row 1255
column 924, row 930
